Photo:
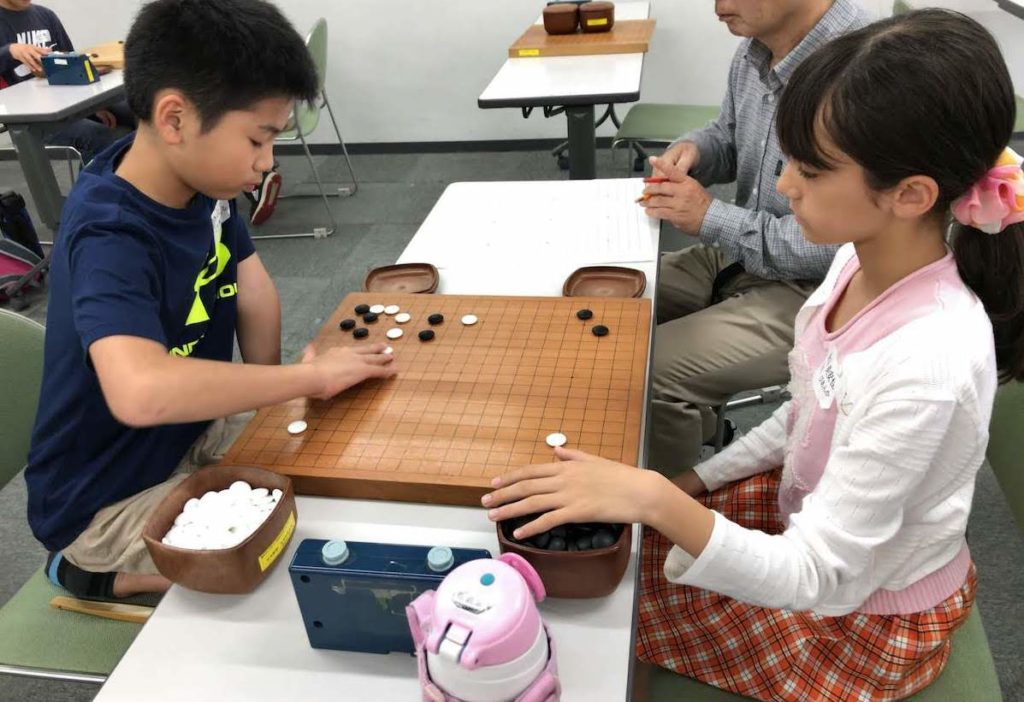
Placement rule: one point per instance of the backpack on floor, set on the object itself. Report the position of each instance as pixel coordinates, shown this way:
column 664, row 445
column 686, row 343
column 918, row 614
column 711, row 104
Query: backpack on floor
column 22, row 262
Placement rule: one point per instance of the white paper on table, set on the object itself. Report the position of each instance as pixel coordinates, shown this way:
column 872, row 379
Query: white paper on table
column 586, row 221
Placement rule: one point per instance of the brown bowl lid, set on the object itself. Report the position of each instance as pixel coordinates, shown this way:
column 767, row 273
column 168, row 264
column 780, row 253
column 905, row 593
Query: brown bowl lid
column 605, row 281
column 402, row 278
column 597, row 6
column 561, row 8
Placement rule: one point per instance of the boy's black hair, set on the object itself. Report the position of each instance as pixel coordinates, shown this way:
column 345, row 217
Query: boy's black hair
column 222, row 55
column 922, row 93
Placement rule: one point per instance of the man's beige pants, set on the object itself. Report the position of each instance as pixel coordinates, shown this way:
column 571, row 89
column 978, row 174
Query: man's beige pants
column 707, row 351
column 112, row 543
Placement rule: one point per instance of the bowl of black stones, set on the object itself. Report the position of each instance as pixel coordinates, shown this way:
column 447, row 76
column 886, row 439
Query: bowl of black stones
column 573, row 560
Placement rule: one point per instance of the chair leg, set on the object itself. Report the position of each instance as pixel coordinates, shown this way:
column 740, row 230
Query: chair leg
column 720, row 426
column 318, row 232
column 344, row 149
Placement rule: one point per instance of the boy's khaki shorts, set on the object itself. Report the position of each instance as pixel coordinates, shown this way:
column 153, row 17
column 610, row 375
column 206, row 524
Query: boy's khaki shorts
column 112, row 543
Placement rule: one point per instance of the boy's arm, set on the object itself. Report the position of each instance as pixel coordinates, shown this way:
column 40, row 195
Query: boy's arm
column 259, row 314
column 143, row 385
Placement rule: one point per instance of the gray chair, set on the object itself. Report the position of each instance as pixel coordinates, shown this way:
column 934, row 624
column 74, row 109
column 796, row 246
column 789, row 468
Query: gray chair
column 305, row 119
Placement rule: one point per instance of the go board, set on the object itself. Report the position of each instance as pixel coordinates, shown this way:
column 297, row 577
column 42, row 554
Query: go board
column 467, row 405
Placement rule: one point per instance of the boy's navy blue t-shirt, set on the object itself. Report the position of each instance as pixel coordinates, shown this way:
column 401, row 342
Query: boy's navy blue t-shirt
column 35, row 25
column 123, row 265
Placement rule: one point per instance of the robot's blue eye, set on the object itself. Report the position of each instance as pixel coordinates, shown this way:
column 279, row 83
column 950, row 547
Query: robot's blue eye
column 487, row 579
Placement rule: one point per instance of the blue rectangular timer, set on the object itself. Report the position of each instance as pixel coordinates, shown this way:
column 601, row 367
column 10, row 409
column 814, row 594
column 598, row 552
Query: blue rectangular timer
column 353, row 594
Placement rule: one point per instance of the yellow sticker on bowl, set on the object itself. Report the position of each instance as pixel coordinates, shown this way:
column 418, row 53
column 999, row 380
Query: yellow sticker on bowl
column 274, row 550
column 597, row 22
column 529, row 52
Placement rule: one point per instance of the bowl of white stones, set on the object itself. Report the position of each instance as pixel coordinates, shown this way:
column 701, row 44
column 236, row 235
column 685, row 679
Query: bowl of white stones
column 222, row 528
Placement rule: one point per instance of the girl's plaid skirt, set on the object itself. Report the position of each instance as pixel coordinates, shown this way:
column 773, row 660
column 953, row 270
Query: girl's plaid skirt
column 778, row 654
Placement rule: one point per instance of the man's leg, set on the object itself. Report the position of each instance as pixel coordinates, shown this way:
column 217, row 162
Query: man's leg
column 90, row 138
column 685, row 280
column 702, row 359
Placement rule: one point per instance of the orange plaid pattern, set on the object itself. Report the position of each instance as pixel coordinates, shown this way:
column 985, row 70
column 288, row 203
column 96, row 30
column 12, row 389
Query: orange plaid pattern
column 778, row 654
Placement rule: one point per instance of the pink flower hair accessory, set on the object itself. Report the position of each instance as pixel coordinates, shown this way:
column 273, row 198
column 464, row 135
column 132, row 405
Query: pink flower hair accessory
column 997, row 200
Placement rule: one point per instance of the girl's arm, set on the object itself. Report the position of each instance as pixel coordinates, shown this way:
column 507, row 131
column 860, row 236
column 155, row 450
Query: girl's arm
column 760, row 450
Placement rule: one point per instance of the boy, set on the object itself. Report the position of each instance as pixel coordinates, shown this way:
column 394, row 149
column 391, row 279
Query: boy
column 154, row 277
column 28, row 33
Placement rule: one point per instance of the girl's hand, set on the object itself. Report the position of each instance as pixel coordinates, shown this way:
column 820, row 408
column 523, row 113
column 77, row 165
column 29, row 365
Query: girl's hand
column 579, row 488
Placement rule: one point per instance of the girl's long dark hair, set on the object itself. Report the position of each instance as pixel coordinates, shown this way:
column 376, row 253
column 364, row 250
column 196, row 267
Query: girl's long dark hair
column 923, row 93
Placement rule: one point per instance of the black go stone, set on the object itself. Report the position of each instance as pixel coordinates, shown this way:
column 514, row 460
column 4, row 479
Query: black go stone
column 572, row 546
column 600, row 330
column 584, row 543
column 436, row 318
column 542, row 540
column 347, row 324
column 426, row 335
column 584, row 315
column 370, row 317
column 557, row 543
column 603, row 539
column 559, row 531
column 362, row 309
column 361, row 333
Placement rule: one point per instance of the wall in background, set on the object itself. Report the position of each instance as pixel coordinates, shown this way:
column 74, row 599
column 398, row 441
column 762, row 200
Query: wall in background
column 392, row 80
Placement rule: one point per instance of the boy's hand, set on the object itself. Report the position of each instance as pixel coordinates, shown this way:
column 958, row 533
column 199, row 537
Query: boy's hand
column 29, row 55
column 107, row 118
column 340, row 369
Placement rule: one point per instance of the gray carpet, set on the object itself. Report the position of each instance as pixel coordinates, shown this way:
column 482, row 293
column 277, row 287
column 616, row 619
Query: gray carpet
column 396, row 192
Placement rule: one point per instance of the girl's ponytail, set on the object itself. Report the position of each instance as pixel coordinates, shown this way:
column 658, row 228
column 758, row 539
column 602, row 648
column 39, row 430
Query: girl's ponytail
column 993, row 266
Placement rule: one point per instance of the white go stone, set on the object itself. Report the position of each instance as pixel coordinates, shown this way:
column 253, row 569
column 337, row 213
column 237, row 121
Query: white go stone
column 224, row 519
column 469, row 319
column 556, row 439
column 389, row 350
column 377, row 309
column 297, row 427
column 394, row 333
column 403, row 317
column 392, row 309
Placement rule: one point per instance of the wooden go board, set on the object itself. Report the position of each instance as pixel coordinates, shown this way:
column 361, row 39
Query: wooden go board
column 625, row 37
column 467, row 405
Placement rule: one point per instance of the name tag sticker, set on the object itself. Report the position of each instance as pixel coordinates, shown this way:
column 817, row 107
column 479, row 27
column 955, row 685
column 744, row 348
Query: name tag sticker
column 826, row 380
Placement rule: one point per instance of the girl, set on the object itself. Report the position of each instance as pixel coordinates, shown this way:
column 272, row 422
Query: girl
column 844, row 574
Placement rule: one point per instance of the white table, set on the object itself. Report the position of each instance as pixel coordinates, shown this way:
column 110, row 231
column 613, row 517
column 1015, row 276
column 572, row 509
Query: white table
column 254, row 647
column 577, row 83
column 34, row 108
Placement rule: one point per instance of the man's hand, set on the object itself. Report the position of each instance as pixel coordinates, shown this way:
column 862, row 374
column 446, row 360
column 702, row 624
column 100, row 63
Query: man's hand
column 683, row 156
column 340, row 368
column 689, row 482
column 30, row 55
column 682, row 200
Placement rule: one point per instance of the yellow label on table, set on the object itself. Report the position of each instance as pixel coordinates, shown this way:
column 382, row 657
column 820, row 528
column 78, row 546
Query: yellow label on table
column 529, row 52
column 597, row 22
column 274, row 550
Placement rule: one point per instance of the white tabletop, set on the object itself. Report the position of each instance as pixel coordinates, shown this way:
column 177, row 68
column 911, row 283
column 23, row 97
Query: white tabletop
column 254, row 647
column 537, row 245
column 570, row 80
column 36, row 100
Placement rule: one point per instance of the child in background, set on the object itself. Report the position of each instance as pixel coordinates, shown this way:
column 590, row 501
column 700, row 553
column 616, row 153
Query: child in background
column 843, row 574
column 153, row 280
column 28, row 33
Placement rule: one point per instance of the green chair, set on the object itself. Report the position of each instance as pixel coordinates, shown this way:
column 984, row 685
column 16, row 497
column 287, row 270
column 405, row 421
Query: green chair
column 305, row 119
column 970, row 674
column 657, row 124
column 35, row 639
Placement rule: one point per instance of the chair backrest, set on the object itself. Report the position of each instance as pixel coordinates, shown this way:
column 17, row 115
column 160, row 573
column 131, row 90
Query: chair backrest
column 1006, row 446
column 21, row 372
column 307, row 115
